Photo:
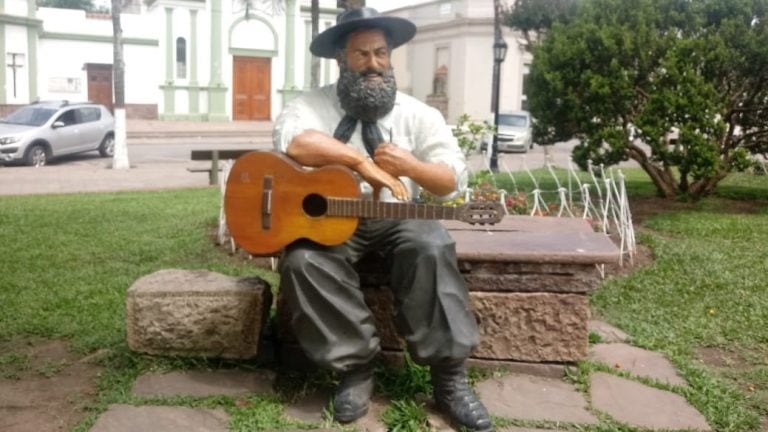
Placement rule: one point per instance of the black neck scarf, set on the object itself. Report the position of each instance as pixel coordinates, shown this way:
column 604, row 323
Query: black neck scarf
column 371, row 134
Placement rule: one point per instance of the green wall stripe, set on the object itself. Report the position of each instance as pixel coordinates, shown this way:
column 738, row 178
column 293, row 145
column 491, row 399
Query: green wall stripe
column 290, row 45
column 169, row 45
column 193, row 46
column 3, row 88
column 20, row 20
column 169, row 96
column 32, row 59
column 194, row 93
column 97, row 38
column 307, row 54
column 217, row 110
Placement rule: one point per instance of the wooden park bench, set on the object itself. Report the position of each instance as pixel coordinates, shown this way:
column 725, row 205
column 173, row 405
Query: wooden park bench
column 214, row 156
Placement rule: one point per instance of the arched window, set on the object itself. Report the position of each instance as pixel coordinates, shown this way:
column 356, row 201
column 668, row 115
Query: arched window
column 181, row 57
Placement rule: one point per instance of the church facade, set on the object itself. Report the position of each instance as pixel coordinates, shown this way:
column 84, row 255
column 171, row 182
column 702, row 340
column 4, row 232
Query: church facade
column 206, row 60
column 222, row 60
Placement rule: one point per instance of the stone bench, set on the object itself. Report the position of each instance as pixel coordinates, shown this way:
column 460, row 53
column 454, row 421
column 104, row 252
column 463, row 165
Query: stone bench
column 528, row 279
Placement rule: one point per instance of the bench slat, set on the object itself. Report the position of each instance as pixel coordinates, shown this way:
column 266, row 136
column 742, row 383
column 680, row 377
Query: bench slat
column 204, row 155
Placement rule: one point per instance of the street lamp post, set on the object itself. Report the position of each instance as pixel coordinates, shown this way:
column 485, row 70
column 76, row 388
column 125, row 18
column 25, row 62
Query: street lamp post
column 499, row 52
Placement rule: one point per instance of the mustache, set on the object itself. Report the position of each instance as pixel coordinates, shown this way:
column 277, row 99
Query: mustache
column 371, row 71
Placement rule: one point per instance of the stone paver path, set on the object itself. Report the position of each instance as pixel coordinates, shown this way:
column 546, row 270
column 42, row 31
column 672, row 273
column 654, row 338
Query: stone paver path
column 639, row 405
column 205, row 383
column 636, row 361
column 517, row 397
column 517, row 429
column 532, row 398
column 310, row 408
column 127, row 418
column 607, row 332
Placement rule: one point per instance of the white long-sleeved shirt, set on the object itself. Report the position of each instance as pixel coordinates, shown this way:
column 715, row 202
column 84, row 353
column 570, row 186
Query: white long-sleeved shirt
column 411, row 124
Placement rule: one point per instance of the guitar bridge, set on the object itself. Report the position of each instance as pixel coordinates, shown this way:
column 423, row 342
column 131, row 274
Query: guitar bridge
column 266, row 203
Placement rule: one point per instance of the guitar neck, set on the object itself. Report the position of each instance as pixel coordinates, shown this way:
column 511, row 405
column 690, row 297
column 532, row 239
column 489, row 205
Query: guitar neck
column 349, row 207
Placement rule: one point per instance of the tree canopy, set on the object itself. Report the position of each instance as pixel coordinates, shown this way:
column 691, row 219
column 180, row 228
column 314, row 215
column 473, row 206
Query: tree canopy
column 626, row 76
column 534, row 17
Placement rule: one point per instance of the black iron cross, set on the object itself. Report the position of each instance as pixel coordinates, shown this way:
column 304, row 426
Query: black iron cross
column 13, row 65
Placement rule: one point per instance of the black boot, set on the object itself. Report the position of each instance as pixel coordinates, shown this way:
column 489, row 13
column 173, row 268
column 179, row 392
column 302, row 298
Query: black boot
column 353, row 395
column 456, row 399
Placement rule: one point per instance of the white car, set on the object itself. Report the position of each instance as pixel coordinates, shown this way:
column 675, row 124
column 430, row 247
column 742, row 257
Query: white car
column 515, row 132
column 37, row 133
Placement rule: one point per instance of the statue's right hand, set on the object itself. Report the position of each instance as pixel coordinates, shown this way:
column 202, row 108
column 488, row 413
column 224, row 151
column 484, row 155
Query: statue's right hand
column 379, row 178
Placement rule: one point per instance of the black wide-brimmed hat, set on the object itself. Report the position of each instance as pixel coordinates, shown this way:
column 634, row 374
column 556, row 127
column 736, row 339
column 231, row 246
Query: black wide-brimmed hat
column 398, row 30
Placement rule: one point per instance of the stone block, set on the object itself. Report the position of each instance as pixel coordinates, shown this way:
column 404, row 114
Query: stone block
column 196, row 313
column 521, row 327
column 536, row 327
column 527, row 327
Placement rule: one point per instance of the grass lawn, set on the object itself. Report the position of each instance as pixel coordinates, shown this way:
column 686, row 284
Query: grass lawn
column 67, row 261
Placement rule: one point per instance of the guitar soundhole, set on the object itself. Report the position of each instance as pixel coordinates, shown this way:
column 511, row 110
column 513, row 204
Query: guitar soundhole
column 315, row 205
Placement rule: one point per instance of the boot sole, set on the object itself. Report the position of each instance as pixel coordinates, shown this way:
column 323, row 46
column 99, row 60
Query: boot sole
column 455, row 424
column 460, row 427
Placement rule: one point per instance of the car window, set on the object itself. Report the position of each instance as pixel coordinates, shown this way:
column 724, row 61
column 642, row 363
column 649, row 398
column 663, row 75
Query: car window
column 89, row 114
column 30, row 116
column 68, row 117
column 513, row 120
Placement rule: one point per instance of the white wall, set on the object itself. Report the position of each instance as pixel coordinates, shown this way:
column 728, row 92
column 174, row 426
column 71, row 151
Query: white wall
column 16, row 7
column 16, row 42
column 466, row 27
column 142, row 79
column 61, row 61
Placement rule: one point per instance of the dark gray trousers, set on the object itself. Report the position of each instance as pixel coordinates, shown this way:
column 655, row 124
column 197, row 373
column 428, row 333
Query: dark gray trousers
column 330, row 319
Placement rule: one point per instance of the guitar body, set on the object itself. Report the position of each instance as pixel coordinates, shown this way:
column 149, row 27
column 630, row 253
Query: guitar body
column 271, row 201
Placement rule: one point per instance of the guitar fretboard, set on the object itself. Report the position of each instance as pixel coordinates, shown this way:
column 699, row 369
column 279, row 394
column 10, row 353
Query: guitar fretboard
column 388, row 210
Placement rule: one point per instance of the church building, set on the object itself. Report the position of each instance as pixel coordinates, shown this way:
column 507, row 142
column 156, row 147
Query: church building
column 207, row 60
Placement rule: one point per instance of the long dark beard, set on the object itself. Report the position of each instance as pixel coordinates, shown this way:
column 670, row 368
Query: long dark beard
column 366, row 100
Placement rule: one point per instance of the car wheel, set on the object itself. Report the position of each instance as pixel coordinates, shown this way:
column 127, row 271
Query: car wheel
column 36, row 156
column 107, row 147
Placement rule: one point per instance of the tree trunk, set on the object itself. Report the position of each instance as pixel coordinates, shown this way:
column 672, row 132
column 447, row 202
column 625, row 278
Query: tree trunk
column 662, row 178
column 120, row 157
column 665, row 184
column 315, row 70
column 704, row 187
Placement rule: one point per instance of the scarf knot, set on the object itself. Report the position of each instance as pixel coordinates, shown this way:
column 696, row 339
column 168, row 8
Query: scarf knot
column 371, row 133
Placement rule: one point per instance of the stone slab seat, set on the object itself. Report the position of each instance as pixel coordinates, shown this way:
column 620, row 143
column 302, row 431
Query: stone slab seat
column 197, row 313
column 528, row 279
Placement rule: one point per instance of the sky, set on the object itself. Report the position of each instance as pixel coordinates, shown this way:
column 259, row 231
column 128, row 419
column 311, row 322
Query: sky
column 385, row 5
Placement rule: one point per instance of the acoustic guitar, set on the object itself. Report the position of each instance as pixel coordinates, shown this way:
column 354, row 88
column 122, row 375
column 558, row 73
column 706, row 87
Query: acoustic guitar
column 271, row 201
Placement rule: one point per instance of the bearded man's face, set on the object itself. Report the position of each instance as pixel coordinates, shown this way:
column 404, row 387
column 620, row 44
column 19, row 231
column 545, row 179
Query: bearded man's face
column 367, row 86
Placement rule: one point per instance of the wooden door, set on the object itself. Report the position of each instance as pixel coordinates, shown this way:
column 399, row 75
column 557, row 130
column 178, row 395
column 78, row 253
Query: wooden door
column 100, row 84
column 252, row 83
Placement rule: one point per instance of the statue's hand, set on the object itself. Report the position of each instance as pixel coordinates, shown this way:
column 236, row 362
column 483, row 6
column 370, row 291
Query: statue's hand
column 395, row 160
column 379, row 178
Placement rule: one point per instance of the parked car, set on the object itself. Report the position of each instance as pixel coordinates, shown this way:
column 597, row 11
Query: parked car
column 515, row 132
column 39, row 132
